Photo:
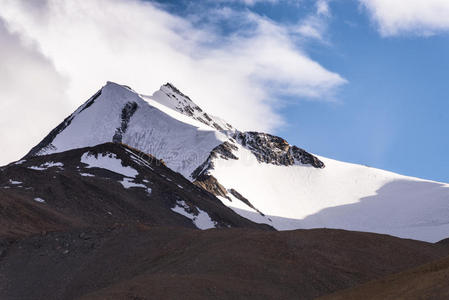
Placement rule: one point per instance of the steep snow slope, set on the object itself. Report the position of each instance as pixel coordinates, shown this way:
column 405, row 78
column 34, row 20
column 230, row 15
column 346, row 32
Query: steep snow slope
column 118, row 114
column 260, row 176
column 341, row 195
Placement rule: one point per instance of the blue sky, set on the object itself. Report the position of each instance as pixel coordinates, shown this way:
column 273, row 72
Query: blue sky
column 392, row 114
column 362, row 81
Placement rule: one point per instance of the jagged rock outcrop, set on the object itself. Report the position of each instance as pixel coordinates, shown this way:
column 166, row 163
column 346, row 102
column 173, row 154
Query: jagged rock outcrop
column 223, row 151
column 182, row 103
column 275, row 150
column 127, row 112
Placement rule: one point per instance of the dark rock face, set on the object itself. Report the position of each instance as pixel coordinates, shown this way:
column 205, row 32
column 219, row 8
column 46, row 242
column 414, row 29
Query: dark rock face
column 211, row 184
column 275, row 150
column 172, row 87
column 244, row 200
column 201, row 174
column 189, row 108
column 127, row 112
column 223, row 151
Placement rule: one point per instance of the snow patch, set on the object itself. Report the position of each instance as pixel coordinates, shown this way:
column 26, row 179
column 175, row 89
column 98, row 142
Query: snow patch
column 129, row 183
column 40, row 200
column 47, row 165
column 20, row 162
column 87, row 175
column 202, row 220
column 14, row 182
column 108, row 161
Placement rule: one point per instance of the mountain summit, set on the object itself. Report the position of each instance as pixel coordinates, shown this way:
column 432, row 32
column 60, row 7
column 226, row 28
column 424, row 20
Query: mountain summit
column 260, row 176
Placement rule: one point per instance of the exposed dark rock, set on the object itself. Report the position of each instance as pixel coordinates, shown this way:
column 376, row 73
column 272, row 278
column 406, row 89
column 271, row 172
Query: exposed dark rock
column 275, row 150
column 223, row 151
column 171, row 86
column 306, row 158
column 189, row 108
column 127, row 112
column 72, row 200
column 211, row 184
column 244, row 200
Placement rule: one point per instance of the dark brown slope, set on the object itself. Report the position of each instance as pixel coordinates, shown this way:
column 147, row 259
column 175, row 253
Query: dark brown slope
column 73, row 200
column 430, row 281
column 180, row 263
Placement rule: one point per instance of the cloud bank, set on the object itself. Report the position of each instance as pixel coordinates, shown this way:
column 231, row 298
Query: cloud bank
column 32, row 96
column 66, row 50
column 418, row 17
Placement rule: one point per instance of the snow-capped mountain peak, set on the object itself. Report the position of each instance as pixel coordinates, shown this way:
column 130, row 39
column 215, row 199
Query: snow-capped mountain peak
column 173, row 98
column 260, row 176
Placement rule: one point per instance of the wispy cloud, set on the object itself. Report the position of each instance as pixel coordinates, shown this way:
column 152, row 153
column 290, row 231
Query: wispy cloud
column 238, row 76
column 315, row 25
column 246, row 2
column 417, row 17
column 322, row 7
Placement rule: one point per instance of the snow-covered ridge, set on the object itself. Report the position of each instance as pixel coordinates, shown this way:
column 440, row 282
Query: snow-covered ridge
column 117, row 113
column 276, row 183
column 171, row 97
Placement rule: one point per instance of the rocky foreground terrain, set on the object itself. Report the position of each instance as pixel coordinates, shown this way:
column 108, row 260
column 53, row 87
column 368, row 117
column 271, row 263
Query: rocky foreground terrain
column 110, row 222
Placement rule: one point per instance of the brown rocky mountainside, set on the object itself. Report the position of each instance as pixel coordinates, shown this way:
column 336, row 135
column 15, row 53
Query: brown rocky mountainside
column 142, row 262
column 73, row 195
column 430, row 281
column 73, row 230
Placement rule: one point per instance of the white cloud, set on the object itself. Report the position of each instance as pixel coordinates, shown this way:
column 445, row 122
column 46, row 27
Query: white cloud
column 421, row 17
column 322, row 7
column 246, row 2
column 315, row 25
column 31, row 97
column 82, row 44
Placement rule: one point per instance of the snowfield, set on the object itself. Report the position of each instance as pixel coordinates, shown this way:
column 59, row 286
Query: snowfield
column 341, row 195
column 109, row 162
column 169, row 126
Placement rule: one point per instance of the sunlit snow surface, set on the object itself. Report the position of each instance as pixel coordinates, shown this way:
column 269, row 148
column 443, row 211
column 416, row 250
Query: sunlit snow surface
column 341, row 195
column 183, row 143
column 108, row 161
column 201, row 221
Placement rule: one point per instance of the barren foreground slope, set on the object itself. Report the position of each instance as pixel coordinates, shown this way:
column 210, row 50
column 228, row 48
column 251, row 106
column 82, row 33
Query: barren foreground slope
column 140, row 262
